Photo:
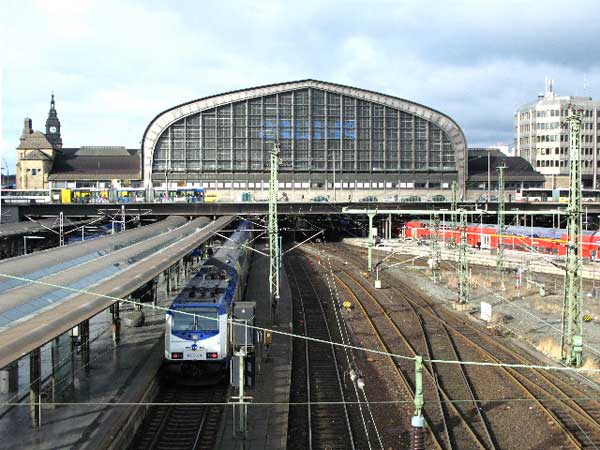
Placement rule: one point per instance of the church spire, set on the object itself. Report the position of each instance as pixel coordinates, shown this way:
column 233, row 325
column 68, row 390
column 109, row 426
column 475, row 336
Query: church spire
column 53, row 125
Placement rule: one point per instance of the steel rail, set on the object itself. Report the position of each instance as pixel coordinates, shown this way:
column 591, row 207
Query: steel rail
column 430, row 371
column 515, row 376
column 386, row 348
column 333, row 355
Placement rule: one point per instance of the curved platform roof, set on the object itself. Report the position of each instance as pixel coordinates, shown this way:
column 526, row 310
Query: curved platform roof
column 163, row 120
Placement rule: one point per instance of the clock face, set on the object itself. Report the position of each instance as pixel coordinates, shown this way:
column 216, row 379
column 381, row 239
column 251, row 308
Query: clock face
column 52, row 129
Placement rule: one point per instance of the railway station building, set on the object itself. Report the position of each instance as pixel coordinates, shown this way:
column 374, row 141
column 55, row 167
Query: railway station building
column 338, row 141
column 43, row 162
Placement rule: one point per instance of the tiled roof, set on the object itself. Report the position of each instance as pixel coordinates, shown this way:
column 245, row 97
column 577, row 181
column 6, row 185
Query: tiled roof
column 96, row 163
column 515, row 167
column 34, row 141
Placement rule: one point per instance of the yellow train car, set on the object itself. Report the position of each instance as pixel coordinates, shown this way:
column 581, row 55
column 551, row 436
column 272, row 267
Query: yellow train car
column 210, row 197
column 65, row 195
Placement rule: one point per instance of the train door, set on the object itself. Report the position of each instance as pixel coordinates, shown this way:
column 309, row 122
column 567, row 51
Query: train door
column 486, row 241
column 415, row 232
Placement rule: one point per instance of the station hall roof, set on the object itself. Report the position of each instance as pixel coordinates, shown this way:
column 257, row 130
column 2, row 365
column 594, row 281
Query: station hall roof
column 162, row 121
column 517, row 168
column 96, row 163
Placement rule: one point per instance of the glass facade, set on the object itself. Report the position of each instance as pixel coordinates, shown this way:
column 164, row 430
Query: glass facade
column 318, row 131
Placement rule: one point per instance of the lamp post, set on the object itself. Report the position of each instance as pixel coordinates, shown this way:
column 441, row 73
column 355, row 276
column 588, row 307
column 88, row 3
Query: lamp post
column 2, row 160
column 25, row 242
column 489, row 180
column 1, row 187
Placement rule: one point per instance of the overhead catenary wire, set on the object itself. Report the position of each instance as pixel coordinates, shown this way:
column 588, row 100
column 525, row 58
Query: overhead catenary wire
column 322, row 341
column 355, row 402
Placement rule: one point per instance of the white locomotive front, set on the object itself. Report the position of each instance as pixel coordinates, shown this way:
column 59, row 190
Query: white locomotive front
column 197, row 323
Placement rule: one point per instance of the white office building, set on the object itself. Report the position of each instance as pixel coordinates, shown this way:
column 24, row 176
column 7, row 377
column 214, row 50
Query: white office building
column 542, row 136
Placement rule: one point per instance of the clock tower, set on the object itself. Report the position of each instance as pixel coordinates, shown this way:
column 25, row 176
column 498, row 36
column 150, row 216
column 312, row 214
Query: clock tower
column 53, row 126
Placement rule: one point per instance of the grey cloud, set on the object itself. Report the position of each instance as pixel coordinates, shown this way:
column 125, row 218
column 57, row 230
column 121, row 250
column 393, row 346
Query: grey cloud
column 476, row 61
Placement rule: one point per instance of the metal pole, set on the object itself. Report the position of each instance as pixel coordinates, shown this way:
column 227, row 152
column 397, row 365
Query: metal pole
column 454, row 205
column 273, row 230
column 35, row 385
column 61, row 229
column 489, row 183
column 370, row 243
column 435, row 248
column 572, row 317
column 463, row 262
column 500, row 263
column 334, row 189
column 417, row 421
column 242, row 426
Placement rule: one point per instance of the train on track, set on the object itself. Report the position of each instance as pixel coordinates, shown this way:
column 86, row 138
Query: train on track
column 197, row 323
column 549, row 241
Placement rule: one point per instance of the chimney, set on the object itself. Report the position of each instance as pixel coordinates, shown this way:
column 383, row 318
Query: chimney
column 27, row 127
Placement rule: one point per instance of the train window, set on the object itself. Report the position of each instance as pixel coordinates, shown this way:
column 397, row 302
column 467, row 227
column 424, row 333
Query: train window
column 183, row 320
column 207, row 320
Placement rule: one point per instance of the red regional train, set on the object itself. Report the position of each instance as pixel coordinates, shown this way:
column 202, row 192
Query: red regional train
column 550, row 241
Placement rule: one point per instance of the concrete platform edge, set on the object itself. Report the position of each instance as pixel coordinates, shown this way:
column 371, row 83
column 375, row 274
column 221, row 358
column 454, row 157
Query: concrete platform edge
column 119, row 425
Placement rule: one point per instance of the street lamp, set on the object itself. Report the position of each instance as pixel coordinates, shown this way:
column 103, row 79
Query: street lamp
column 25, row 242
column 1, row 187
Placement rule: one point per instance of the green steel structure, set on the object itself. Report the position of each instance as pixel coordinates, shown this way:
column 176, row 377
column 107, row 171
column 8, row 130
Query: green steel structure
column 500, row 263
column 572, row 316
column 435, row 248
column 273, row 229
column 454, row 204
column 463, row 261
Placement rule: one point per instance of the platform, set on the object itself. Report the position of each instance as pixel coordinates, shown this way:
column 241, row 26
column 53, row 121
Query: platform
column 267, row 424
column 83, row 416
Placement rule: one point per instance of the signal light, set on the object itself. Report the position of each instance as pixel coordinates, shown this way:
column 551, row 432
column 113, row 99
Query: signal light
column 178, row 355
column 213, row 355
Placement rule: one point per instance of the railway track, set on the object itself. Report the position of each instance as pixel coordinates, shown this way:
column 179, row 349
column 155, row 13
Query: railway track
column 326, row 420
column 453, row 426
column 444, row 334
column 576, row 410
column 183, row 422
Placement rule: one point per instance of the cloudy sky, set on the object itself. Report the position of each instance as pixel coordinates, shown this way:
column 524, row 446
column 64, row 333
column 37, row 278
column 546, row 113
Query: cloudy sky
column 114, row 65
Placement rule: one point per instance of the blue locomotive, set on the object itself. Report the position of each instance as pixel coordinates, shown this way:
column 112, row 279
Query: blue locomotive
column 197, row 323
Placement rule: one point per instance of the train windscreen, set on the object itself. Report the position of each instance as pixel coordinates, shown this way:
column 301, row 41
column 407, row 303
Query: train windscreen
column 195, row 319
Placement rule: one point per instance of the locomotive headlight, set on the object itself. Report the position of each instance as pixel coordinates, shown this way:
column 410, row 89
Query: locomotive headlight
column 194, row 337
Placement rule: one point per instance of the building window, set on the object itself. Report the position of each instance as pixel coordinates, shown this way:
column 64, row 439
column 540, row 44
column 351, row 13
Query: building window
column 317, row 130
column 34, row 171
